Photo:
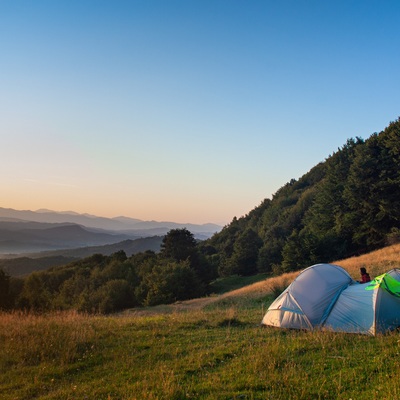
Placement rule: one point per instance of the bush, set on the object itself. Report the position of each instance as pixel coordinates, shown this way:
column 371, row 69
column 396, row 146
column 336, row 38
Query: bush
column 170, row 282
column 115, row 295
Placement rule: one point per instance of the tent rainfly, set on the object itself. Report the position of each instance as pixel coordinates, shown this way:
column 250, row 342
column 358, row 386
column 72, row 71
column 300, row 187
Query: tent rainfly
column 325, row 297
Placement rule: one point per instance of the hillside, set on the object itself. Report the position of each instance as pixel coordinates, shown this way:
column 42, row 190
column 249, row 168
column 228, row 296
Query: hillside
column 25, row 232
column 133, row 274
column 24, row 237
column 121, row 225
column 20, row 266
column 345, row 206
column 377, row 262
column 19, row 237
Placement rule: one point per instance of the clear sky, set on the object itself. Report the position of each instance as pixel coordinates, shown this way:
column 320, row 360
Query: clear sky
column 187, row 111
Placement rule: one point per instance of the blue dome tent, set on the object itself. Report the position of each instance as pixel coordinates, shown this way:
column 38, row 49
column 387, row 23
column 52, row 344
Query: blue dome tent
column 325, row 297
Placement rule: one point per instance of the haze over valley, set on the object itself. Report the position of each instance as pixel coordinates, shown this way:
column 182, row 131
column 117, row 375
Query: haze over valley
column 27, row 232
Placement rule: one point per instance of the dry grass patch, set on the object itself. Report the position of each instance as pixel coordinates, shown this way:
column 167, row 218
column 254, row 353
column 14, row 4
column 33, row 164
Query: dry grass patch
column 266, row 288
column 376, row 262
column 59, row 338
column 262, row 292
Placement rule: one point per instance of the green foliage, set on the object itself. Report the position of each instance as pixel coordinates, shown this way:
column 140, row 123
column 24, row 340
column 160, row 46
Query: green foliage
column 24, row 265
column 35, row 295
column 223, row 285
column 170, row 282
column 4, row 290
column 219, row 353
column 113, row 295
column 178, row 244
column 105, row 284
column 347, row 205
column 245, row 253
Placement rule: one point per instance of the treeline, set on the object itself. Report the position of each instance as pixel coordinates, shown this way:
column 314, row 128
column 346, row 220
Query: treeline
column 105, row 284
column 347, row 205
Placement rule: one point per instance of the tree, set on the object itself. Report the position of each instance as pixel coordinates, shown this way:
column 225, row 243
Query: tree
column 4, row 290
column 372, row 191
column 168, row 283
column 245, row 253
column 326, row 220
column 270, row 254
column 178, row 244
column 114, row 295
column 34, row 295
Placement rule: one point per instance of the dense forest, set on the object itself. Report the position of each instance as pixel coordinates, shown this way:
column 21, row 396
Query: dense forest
column 347, row 205
column 104, row 284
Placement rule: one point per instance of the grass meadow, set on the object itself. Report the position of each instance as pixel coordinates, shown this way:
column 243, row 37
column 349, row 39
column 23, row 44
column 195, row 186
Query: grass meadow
column 211, row 348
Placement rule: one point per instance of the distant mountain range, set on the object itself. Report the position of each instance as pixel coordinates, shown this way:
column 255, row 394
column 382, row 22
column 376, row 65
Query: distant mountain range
column 23, row 237
column 27, row 231
column 20, row 266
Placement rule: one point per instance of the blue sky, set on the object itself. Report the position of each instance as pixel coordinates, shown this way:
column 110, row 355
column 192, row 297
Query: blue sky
column 190, row 111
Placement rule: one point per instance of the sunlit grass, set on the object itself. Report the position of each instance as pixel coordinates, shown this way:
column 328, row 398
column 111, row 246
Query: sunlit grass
column 220, row 353
column 230, row 283
column 376, row 262
column 212, row 348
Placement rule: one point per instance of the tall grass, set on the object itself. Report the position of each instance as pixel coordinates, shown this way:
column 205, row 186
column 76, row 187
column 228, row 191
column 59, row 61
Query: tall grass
column 219, row 353
column 203, row 349
column 376, row 262
column 31, row 339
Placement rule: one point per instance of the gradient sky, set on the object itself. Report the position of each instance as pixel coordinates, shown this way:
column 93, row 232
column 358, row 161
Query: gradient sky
column 187, row 111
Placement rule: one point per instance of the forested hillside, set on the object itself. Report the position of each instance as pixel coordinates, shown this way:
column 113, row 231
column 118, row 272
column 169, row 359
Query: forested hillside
column 347, row 205
column 108, row 283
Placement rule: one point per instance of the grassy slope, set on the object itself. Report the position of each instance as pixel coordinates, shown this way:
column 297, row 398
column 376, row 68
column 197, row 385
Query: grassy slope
column 210, row 348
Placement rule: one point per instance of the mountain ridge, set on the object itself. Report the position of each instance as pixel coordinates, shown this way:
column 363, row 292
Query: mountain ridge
column 92, row 221
column 22, row 265
column 26, row 231
column 23, row 237
column 344, row 206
